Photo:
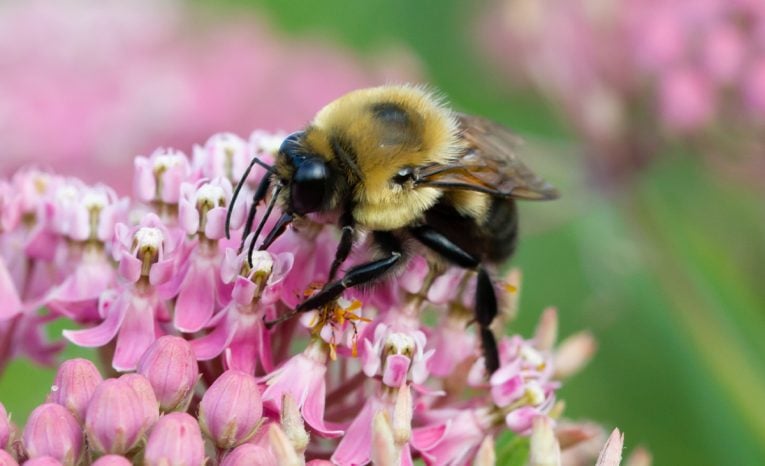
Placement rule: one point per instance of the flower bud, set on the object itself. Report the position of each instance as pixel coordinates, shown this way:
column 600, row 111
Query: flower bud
column 5, row 427
column 43, row 461
column 543, row 449
column 171, row 368
column 249, row 455
column 53, row 431
column 115, row 418
column 573, row 354
column 383, row 445
column 175, row 439
column 75, row 382
column 486, row 455
column 231, row 409
column 143, row 389
column 282, row 447
column 7, row 460
column 112, row 460
column 611, row 454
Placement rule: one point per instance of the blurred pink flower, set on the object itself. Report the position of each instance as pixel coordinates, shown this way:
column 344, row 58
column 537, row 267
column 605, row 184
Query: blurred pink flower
column 634, row 77
column 155, row 76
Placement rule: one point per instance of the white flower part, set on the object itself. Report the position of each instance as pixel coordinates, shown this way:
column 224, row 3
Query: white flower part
column 262, row 262
column 400, row 343
column 373, row 351
column 534, row 393
column 149, row 238
column 211, row 194
column 168, row 160
column 94, row 199
column 67, row 194
column 532, row 356
column 265, row 142
column 420, row 359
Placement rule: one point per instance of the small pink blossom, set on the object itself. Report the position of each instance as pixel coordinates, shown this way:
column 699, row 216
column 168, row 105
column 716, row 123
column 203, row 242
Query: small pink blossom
column 171, row 368
column 75, row 382
column 302, row 377
column 158, row 178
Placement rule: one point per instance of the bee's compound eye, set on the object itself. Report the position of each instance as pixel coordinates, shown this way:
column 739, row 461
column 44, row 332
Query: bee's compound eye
column 403, row 175
column 309, row 185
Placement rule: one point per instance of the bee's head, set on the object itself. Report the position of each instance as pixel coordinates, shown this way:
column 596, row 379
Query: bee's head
column 308, row 176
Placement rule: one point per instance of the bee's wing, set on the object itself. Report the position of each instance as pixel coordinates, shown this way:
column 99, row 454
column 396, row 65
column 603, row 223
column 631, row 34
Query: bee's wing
column 489, row 164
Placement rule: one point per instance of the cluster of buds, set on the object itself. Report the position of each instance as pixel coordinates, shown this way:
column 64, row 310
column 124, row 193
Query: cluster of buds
column 632, row 76
column 178, row 312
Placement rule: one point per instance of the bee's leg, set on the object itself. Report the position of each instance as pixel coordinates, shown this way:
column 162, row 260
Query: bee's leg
column 346, row 243
column 259, row 195
column 485, row 297
column 357, row 275
column 262, row 188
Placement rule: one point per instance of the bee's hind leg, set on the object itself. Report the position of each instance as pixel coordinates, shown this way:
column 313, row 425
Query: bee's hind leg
column 485, row 297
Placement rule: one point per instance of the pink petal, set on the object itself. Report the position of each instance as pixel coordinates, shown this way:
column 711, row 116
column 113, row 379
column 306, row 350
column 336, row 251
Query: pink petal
column 507, row 391
column 130, row 268
column 520, row 420
column 425, row 438
column 10, row 304
column 244, row 291
column 396, row 369
column 144, row 185
column 313, row 411
column 102, row 333
column 135, row 336
column 355, row 447
column 161, row 272
column 216, row 223
column 213, row 344
column 188, row 216
column 196, row 300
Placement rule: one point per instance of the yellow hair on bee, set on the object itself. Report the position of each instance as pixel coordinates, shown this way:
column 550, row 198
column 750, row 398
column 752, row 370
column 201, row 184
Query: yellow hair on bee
column 388, row 128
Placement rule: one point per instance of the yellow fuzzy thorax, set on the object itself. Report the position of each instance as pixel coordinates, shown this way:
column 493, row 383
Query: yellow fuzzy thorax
column 428, row 134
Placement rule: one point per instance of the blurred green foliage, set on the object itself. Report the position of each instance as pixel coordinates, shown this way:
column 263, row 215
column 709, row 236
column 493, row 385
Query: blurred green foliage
column 666, row 273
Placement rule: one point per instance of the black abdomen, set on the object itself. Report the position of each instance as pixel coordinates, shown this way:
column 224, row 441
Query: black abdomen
column 491, row 238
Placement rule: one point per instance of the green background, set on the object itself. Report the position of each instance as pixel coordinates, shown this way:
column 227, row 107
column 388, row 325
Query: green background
column 667, row 272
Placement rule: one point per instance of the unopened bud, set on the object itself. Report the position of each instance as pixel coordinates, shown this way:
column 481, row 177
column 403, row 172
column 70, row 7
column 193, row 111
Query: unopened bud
column 249, row 455
column 547, row 330
column 112, row 460
column 175, row 440
column 115, row 419
column 611, row 454
column 5, row 427
column 640, row 457
column 486, row 455
column 146, row 396
column 384, row 449
column 6, row 459
column 171, row 369
column 282, row 447
column 402, row 416
column 230, row 411
column 292, row 424
column 573, row 354
column 544, row 449
column 43, row 461
column 53, row 431
column 75, row 382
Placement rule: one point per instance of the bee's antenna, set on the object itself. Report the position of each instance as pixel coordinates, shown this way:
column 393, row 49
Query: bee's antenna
column 276, row 231
column 239, row 186
column 262, row 223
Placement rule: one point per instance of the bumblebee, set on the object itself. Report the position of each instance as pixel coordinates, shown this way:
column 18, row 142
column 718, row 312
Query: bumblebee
column 396, row 162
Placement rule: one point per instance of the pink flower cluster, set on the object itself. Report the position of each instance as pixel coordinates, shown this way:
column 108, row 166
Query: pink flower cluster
column 179, row 312
column 630, row 75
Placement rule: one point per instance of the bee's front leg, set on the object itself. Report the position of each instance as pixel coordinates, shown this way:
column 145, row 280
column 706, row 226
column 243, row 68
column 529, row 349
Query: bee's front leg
column 357, row 275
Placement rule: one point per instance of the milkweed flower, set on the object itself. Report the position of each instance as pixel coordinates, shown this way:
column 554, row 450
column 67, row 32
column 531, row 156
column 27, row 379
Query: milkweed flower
column 200, row 373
